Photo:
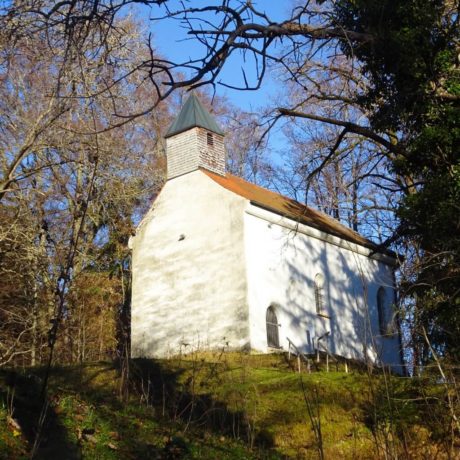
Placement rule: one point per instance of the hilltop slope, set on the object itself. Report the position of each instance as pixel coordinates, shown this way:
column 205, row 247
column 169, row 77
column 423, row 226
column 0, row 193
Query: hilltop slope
column 221, row 406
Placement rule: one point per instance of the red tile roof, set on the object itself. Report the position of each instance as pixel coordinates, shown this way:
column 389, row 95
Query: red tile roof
column 291, row 209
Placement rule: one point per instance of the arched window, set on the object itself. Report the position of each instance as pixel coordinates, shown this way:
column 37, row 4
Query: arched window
column 319, row 294
column 273, row 339
column 381, row 310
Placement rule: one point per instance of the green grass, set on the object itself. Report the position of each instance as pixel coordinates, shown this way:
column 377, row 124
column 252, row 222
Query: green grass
column 219, row 406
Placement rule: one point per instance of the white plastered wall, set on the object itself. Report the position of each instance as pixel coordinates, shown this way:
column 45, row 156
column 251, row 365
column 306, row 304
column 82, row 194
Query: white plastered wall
column 282, row 260
column 189, row 279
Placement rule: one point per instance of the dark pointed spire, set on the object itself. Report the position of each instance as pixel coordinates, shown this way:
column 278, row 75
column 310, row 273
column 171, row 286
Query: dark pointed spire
column 193, row 115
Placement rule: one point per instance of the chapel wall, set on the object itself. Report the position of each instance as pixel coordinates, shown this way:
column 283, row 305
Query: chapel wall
column 183, row 153
column 282, row 264
column 194, row 148
column 189, row 278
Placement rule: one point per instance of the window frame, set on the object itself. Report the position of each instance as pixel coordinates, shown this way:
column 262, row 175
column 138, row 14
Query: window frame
column 272, row 327
column 386, row 326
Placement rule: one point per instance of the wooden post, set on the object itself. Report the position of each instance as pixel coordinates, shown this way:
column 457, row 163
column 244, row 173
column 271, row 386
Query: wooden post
column 346, row 367
column 298, row 363
column 327, row 361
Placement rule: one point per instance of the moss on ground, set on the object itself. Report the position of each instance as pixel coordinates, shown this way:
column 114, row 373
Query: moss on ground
column 220, row 406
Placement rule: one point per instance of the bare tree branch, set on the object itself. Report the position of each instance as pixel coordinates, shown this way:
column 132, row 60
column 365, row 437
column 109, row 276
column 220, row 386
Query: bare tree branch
column 351, row 127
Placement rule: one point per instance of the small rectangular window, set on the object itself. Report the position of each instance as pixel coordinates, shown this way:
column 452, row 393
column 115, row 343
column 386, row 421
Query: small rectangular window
column 210, row 139
column 385, row 313
column 319, row 294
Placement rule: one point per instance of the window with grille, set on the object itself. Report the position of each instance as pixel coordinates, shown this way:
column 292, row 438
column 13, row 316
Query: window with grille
column 273, row 339
column 319, row 294
column 382, row 310
column 210, row 139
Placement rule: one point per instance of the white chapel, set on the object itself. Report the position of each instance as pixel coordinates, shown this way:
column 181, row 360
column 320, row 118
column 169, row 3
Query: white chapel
column 219, row 262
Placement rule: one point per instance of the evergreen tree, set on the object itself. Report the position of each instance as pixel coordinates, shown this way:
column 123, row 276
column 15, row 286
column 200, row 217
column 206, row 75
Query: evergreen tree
column 412, row 62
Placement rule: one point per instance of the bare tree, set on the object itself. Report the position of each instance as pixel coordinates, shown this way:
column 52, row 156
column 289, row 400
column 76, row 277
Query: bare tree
column 64, row 191
column 344, row 174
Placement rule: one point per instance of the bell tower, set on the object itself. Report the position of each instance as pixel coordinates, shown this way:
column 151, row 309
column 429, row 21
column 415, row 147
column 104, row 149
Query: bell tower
column 193, row 141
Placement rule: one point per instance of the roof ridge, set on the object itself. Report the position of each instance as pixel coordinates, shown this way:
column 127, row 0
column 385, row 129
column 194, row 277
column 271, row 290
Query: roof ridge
column 292, row 200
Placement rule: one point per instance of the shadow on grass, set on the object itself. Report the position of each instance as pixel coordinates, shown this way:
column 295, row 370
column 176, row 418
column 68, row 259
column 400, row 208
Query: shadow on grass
column 163, row 418
column 183, row 400
column 22, row 391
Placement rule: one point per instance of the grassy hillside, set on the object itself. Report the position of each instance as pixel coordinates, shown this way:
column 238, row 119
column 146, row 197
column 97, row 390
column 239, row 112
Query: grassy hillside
column 222, row 406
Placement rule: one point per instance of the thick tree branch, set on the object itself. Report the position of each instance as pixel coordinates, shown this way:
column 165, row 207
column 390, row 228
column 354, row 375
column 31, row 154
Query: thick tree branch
column 330, row 155
column 288, row 29
column 351, row 127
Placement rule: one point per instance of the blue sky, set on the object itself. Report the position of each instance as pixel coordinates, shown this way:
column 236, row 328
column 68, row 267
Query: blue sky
column 172, row 42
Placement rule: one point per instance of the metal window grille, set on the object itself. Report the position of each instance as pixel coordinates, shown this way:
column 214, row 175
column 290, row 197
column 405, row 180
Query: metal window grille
column 319, row 295
column 381, row 297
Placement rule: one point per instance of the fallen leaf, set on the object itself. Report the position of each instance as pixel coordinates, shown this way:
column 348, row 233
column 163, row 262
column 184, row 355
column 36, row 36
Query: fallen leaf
column 115, row 435
column 13, row 423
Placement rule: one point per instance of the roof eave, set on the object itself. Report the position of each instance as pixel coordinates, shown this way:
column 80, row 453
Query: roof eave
column 366, row 244
column 179, row 131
